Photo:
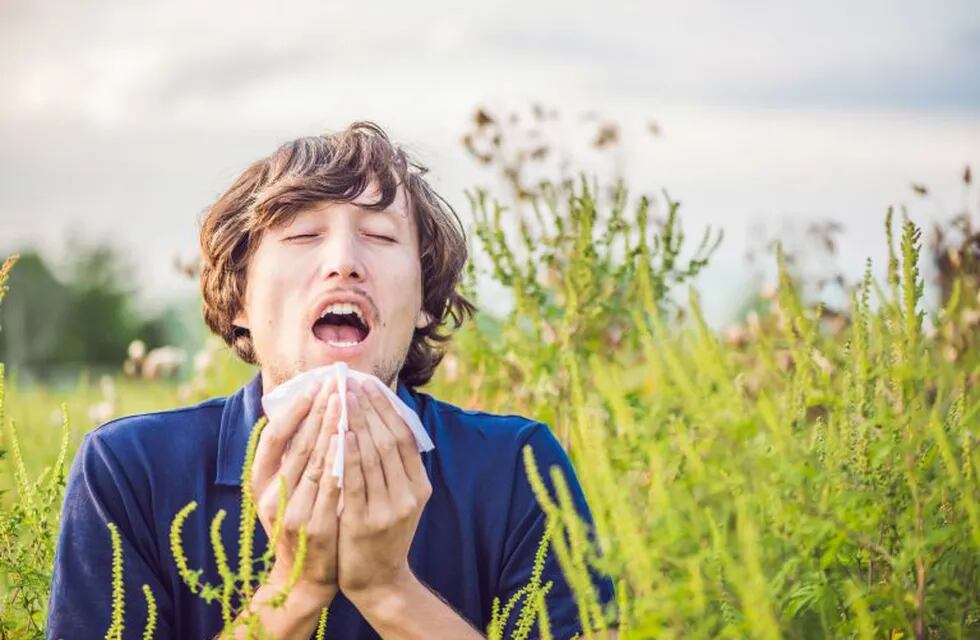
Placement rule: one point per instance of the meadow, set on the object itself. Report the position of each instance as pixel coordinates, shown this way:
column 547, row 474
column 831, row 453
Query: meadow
column 804, row 475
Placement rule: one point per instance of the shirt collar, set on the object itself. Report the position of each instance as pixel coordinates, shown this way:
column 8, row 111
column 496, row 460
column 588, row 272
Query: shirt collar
column 242, row 410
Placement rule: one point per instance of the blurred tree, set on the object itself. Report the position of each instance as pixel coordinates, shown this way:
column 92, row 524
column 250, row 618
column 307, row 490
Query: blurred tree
column 85, row 319
column 34, row 315
column 102, row 322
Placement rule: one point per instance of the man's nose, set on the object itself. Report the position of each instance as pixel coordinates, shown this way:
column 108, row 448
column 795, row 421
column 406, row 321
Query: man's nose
column 341, row 258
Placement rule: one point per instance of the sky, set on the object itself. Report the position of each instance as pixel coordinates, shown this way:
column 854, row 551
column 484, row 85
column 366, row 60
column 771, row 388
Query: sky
column 122, row 122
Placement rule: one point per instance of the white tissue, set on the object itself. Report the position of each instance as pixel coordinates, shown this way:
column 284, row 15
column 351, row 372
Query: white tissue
column 277, row 400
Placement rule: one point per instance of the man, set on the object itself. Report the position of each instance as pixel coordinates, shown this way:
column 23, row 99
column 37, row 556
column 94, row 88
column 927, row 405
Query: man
column 334, row 248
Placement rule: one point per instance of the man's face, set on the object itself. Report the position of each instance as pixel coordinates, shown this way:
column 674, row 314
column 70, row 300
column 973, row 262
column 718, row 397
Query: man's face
column 329, row 254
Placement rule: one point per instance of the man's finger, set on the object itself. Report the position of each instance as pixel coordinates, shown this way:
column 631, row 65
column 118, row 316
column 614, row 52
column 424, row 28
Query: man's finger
column 385, row 444
column 355, row 496
column 300, row 507
column 301, row 448
column 277, row 434
column 374, row 478
column 328, row 495
column 408, row 448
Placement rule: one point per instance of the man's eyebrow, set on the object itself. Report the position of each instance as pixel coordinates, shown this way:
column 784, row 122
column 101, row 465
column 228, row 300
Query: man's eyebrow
column 390, row 211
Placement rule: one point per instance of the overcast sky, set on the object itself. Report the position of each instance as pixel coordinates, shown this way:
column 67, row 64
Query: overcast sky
column 124, row 120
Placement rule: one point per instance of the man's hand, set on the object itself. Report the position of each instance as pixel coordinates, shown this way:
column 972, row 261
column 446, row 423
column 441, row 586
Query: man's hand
column 385, row 490
column 297, row 448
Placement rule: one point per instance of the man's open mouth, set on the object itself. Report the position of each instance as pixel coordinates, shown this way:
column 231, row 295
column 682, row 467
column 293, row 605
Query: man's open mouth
column 341, row 324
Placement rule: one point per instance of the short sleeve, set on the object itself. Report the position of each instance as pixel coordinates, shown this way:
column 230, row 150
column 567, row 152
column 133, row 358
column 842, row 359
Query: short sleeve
column 526, row 526
column 99, row 492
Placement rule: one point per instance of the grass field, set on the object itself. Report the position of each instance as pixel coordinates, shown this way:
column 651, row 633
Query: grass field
column 803, row 476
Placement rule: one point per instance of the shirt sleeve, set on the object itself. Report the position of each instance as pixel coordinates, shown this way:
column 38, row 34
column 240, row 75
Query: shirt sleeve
column 98, row 492
column 526, row 526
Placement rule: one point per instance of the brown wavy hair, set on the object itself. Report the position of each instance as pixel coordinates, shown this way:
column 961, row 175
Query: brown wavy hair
column 334, row 167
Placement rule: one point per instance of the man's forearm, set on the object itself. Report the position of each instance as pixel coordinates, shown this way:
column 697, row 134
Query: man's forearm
column 296, row 618
column 410, row 610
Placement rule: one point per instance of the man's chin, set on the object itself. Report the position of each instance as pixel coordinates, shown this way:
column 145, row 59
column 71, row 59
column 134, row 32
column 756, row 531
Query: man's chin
column 322, row 354
column 352, row 354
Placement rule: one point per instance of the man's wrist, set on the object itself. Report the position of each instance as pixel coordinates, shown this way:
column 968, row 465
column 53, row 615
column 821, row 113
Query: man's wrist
column 388, row 601
column 406, row 608
column 304, row 598
column 297, row 615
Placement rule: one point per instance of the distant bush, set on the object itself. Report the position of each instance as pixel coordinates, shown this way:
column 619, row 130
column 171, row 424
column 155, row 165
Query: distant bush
column 56, row 324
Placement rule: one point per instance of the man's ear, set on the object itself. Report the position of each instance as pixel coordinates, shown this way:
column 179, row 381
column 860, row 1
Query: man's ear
column 240, row 320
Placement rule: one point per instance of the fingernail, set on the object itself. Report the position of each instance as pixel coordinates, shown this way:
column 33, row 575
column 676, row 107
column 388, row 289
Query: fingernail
column 312, row 389
column 372, row 389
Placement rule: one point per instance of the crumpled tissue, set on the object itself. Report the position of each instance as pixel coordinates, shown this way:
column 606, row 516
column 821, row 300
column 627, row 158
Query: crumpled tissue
column 277, row 401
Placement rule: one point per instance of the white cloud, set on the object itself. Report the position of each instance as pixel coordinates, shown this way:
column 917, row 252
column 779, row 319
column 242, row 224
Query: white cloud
column 128, row 118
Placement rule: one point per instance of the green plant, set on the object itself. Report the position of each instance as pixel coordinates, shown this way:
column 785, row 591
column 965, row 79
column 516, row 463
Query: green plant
column 28, row 532
column 817, row 477
column 574, row 265
column 828, row 492
column 246, row 580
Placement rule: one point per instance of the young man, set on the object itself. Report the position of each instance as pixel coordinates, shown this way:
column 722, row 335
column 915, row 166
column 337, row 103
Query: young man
column 334, row 248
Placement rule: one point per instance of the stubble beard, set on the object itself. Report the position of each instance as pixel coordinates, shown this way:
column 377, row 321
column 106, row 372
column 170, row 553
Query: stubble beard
column 387, row 370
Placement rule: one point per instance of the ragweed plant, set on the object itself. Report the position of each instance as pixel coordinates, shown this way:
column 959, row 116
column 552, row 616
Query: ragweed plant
column 28, row 523
column 574, row 264
column 815, row 478
column 117, row 624
column 239, row 586
column 828, row 492
column 530, row 599
column 5, row 269
column 28, row 533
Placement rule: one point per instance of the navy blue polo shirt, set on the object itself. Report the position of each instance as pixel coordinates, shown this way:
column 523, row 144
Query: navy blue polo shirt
column 476, row 538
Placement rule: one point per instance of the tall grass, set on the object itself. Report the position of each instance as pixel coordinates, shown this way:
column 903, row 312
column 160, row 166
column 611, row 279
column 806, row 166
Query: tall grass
column 812, row 480
column 803, row 479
